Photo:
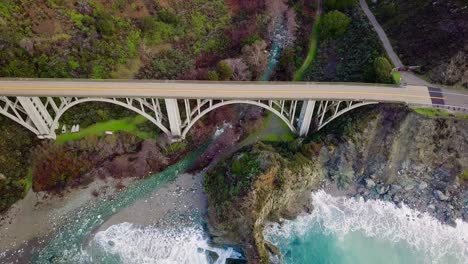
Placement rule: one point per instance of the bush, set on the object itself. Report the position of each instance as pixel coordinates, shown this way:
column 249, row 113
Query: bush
column 213, row 76
column 334, row 24
column 224, row 71
column 383, row 70
column 339, row 4
column 168, row 64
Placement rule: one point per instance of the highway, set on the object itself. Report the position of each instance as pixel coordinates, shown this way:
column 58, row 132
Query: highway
column 410, row 94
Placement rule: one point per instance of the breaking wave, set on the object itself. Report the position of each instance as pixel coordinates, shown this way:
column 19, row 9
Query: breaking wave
column 341, row 217
column 127, row 243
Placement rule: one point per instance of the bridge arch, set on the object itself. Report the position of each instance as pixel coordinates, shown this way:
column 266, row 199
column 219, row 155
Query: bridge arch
column 192, row 122
column 114, row 101
column 16, row 113
column 337, row 109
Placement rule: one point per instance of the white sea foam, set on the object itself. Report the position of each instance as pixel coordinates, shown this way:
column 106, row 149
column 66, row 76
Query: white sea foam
column 134, row 244
column 381, row 220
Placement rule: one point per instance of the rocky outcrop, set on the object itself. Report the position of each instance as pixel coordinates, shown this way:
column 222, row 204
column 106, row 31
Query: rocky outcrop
column 257, row 183
column 383, row 152
column 403, row 157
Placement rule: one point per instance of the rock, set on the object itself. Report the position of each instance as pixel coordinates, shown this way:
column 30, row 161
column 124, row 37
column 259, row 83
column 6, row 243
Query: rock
column 236, row 261
column 409, row 186
column 369, row 183
column 272, row 248
column 382, row 189
column 111, row 243
column 422, row 186
column 2, row 177
column 395, row 188
column 440, row 195
column 431, row 207
column 213, row 256
column 396, row 198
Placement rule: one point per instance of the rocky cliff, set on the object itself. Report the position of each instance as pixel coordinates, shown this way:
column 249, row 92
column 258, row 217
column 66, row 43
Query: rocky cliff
column 383, row 152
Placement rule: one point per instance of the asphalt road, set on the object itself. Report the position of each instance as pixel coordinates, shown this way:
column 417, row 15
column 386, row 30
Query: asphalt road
column 217, row 90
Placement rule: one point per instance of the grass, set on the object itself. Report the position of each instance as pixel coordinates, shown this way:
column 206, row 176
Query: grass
column 312, row 53
column 396, row 77
column 28, row 181
column 464, row 176
column 273, row 129
column 128, row 124
column 435, row 113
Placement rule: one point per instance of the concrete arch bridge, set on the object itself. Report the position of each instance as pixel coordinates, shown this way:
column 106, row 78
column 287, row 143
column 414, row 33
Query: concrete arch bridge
column 174, row 107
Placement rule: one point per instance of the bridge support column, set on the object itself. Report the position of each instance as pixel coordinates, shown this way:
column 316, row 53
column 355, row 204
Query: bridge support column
column 173, row 115
column 38, row 115
column 305, row 118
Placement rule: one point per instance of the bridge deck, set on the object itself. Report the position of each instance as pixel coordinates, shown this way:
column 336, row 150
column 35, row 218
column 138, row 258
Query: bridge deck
column 216, row 90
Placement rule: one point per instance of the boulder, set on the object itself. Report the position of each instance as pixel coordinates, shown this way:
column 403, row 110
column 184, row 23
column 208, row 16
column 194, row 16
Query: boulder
column 382, row 189
column 369, row 183
column 440, row 195
column 422, row 186
column 2, row 177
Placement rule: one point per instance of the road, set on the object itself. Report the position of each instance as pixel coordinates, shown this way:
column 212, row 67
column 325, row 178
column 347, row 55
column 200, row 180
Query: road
column 217, row 90
column 454, row 98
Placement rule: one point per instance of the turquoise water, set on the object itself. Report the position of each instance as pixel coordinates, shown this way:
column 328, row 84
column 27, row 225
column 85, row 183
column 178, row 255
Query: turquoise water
column 348, row 231
column 67, row 245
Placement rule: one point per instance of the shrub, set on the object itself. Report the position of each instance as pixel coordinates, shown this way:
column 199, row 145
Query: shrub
column 334, row 24
column 224, row 71
column 105, row 24
column 213, row 76
column 339, row 4
column 168, row 64
column 383, row 70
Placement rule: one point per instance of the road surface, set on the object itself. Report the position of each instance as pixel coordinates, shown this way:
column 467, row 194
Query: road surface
column 217, row 90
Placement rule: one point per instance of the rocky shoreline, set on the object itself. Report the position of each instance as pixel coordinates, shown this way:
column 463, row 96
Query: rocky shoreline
column 384, row 152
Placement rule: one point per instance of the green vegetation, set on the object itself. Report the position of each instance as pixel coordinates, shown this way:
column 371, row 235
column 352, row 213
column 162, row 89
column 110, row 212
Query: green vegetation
column 382, row 70
column 51, row 39
column 224, row 71
column 350, row 56
column 339, row 4
column 15, row 146
column 130, row 125
column 177, row 147
column 436, row 113
column 312, row 52
column 334, row 24
column 412, row 25
column 396, row 75
column 464, row 176
column 225, row 186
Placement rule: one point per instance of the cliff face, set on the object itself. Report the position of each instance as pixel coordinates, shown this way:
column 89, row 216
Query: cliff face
column 400, row 156
column 258, row 183
column 383, row 152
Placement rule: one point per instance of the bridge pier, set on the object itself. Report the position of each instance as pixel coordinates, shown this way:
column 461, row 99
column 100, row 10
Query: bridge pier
column 305, row 117
column 173, row 116
column 38, row 115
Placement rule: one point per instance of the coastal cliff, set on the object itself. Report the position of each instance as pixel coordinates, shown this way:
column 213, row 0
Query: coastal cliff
column 384, row 152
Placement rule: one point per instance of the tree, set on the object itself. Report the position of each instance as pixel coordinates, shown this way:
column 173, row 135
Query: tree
column 224, row 71
column 166, row 65
column 240, row 70
column 339, row 4
column 383, row 70
column 334, row 24
column 256, row 57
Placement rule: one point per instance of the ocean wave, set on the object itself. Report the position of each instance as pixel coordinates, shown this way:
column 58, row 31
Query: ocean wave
column 341, row 216
column 133, row 244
